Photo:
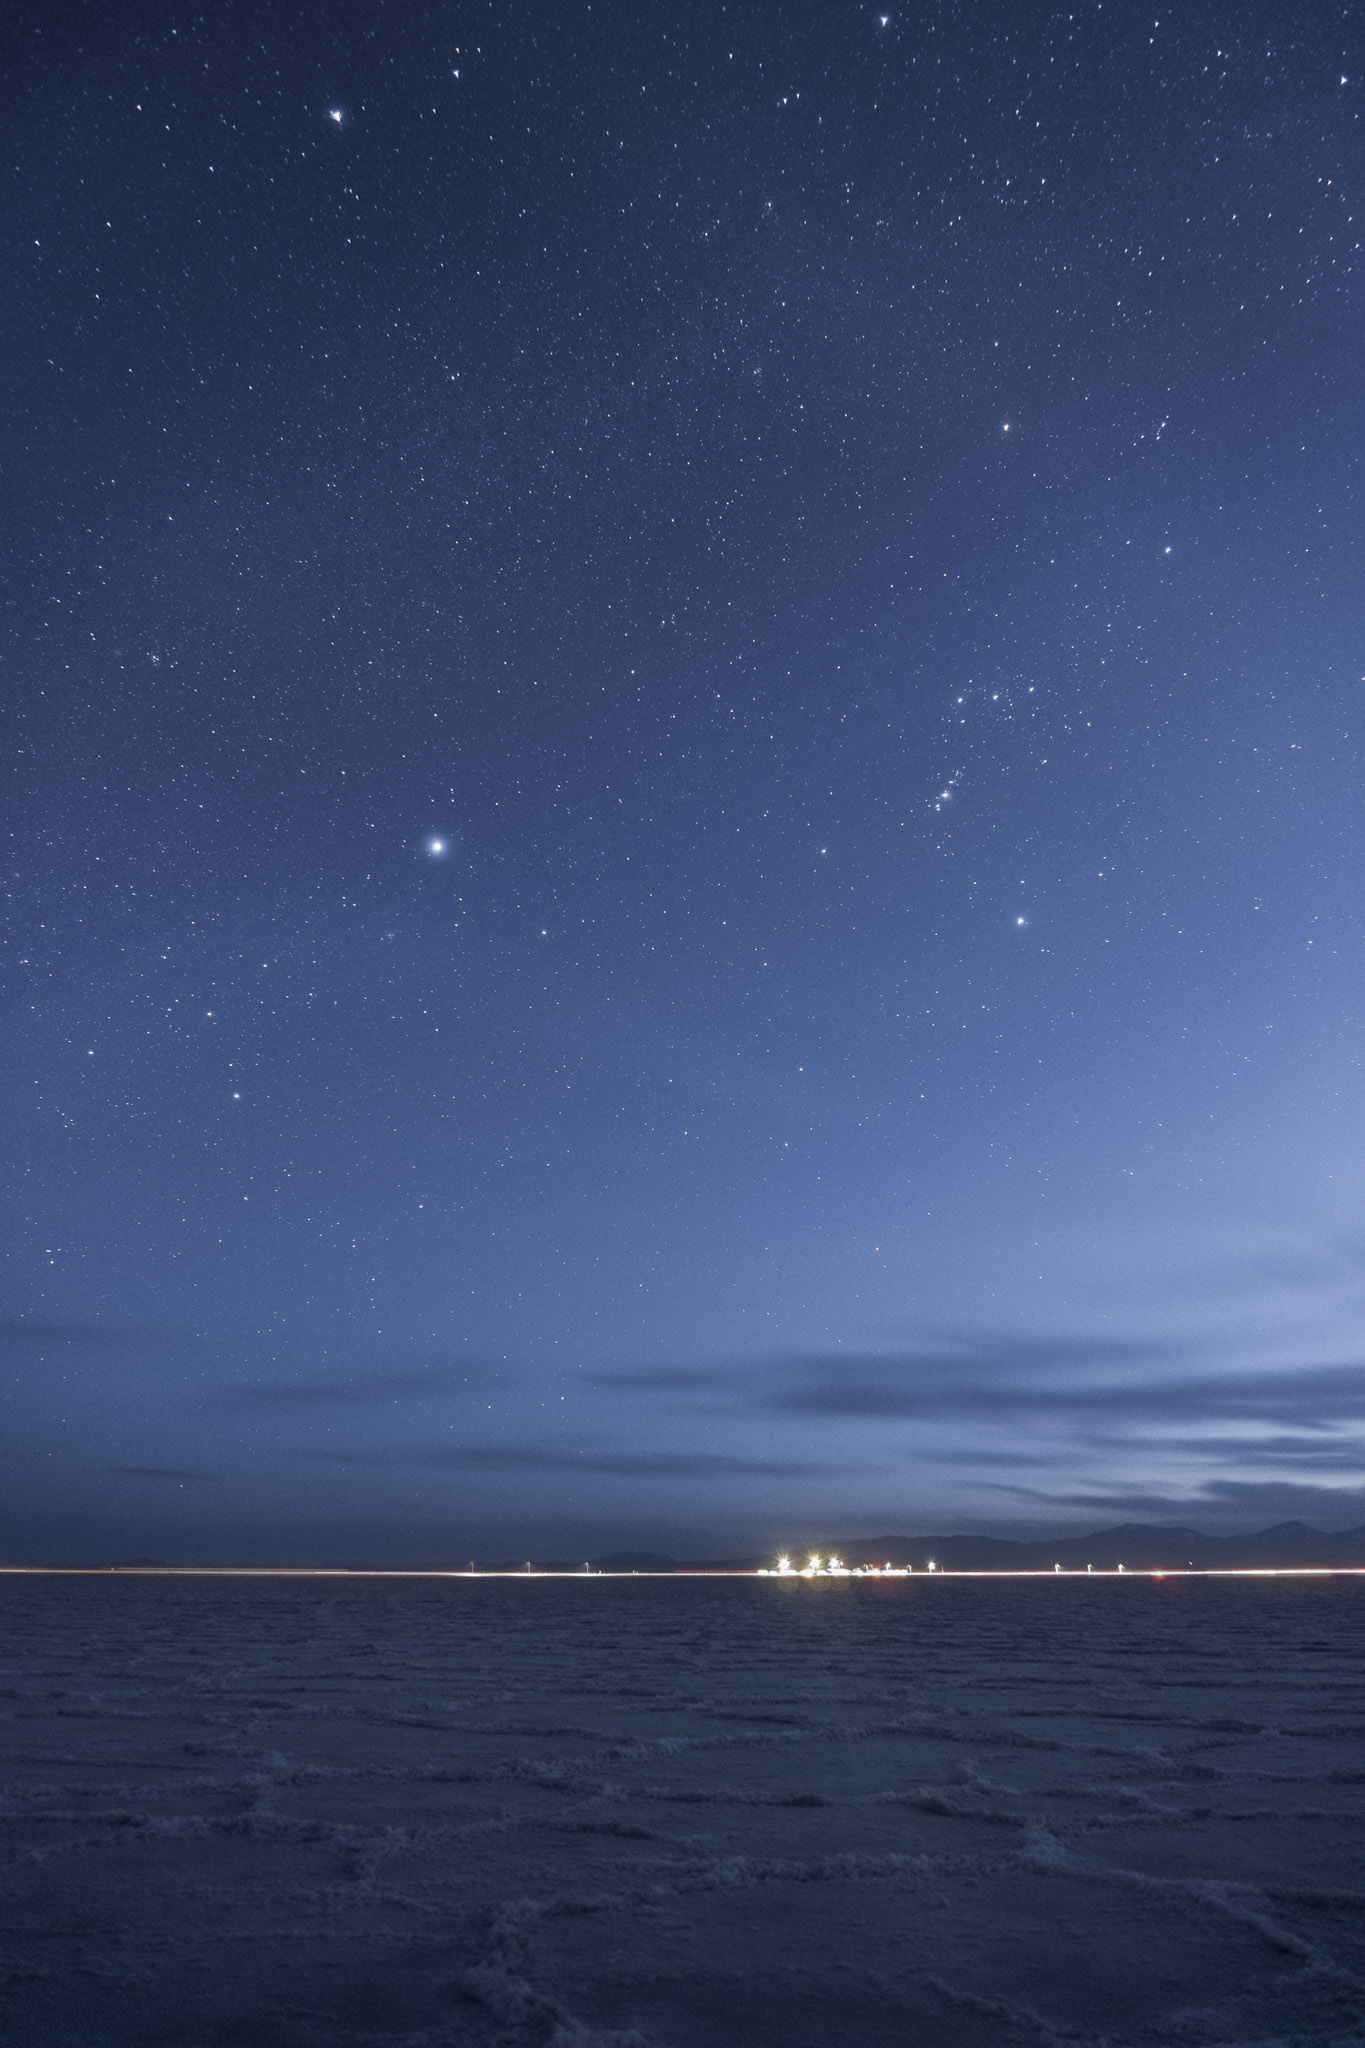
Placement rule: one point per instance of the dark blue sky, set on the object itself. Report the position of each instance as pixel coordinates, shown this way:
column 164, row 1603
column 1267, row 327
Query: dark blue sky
column 685, row 771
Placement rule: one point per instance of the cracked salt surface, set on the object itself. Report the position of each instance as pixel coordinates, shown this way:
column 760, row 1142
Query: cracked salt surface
column 425, row 1814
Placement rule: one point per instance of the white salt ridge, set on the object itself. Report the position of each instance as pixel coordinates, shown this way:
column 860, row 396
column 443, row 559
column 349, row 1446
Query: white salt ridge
column 671, row 1814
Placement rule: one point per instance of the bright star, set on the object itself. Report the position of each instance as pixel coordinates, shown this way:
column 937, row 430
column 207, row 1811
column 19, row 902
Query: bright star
column 436, row 847
column 335, row 114
column 1021, row 920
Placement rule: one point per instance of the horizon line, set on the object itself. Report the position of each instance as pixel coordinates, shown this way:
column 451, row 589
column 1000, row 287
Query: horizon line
column 284, row 1571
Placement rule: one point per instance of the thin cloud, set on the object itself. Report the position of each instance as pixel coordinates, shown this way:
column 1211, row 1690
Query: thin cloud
column 1069, row 1403
column 618, row 1464
column 1268, row 1496
column 952, row 1348
column 970, row 1386
column 1253, row 1502
column 877, row 1382
column 664, row 1379
column 1319, row 1452
column 358, row 1390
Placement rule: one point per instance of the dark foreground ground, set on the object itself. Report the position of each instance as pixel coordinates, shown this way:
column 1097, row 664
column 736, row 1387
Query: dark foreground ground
column 940, row 1815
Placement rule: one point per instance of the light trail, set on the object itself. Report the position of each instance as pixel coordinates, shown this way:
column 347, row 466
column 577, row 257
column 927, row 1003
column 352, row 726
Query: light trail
column 521, row 1575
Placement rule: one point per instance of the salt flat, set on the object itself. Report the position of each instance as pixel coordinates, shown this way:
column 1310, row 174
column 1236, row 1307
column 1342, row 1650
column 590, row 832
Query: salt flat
column 421, row 1813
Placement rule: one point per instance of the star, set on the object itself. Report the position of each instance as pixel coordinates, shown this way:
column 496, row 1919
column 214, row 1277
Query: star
column 436, row 847
column 335, row 114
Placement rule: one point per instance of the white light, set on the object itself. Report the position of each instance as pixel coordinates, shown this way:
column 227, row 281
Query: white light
column 334, row 114
column 436, row 847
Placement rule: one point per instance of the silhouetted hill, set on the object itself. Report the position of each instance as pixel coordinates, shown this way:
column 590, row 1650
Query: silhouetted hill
column 634, row 1561
column 1140, row 1546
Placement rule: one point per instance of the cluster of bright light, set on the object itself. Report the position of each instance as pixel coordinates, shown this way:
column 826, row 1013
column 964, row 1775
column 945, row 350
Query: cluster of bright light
column 817, row 1567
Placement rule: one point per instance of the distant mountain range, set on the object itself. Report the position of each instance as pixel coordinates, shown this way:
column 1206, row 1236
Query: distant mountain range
column 1140, row 1546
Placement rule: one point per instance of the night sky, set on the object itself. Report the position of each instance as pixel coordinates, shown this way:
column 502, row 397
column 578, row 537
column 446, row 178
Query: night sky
column 684, row 820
